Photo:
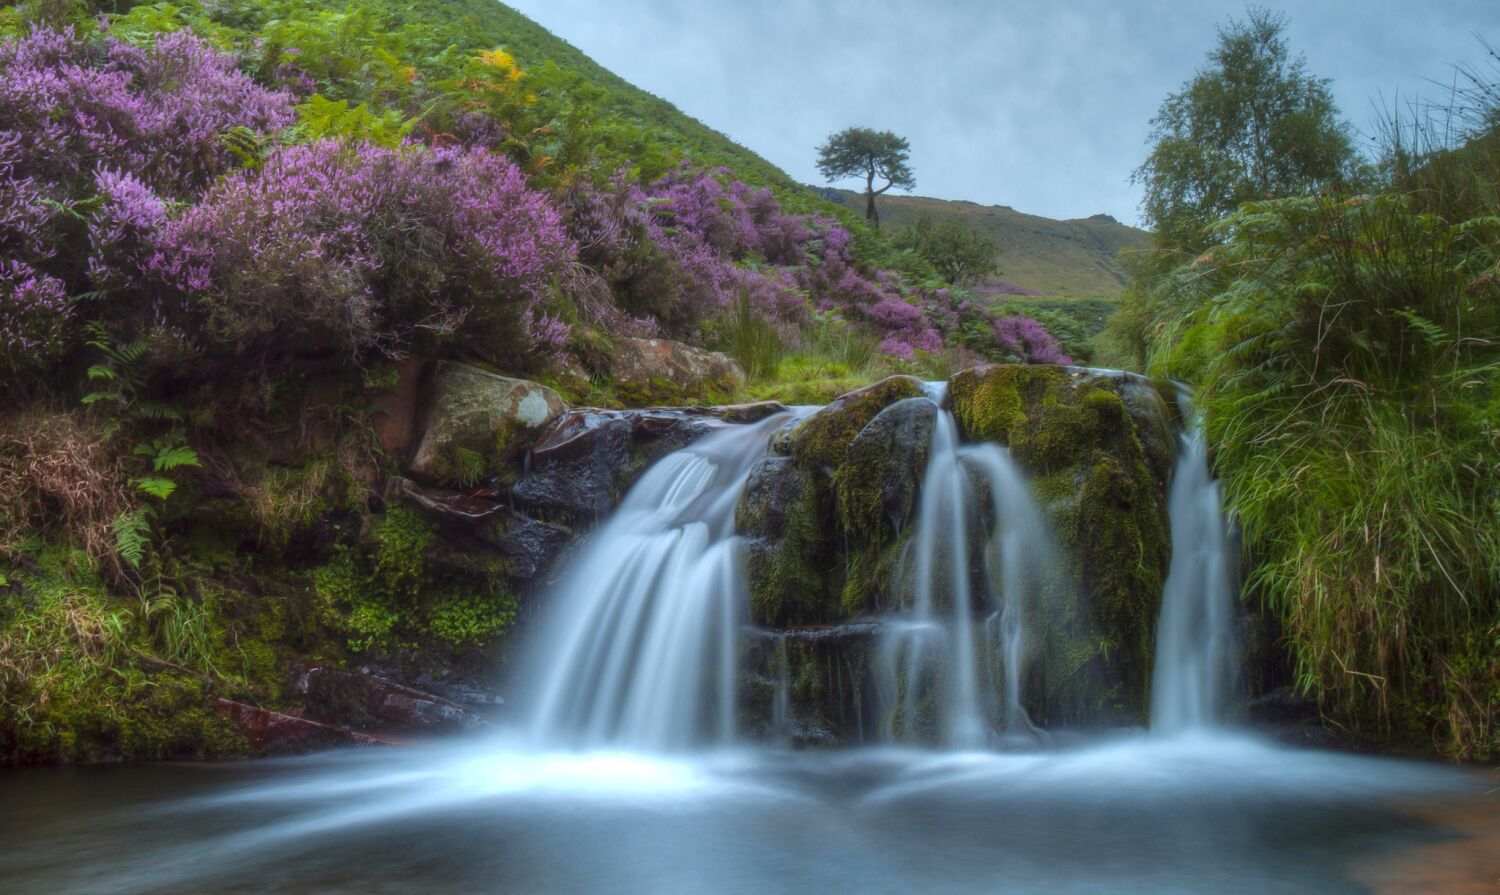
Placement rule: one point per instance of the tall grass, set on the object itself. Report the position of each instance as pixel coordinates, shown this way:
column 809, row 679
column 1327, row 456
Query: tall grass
column 1346, row 356
column 753, row 341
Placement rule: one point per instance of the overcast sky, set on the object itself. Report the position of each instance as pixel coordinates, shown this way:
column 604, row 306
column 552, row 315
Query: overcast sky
column 1041, row 105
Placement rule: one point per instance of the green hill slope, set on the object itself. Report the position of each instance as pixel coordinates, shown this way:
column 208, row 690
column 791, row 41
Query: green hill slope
column 1062, row 259
column 474, row 24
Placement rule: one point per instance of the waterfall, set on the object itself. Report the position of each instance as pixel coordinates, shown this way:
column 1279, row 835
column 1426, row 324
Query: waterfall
column 640, row 647
column 937, row 668
column 1196, row 647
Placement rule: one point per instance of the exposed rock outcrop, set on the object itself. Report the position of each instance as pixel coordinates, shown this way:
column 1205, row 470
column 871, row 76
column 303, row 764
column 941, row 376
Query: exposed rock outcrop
column 788, row 511
column 583, row 464
column 827, row 517
column 476, row 421
column 660, row 371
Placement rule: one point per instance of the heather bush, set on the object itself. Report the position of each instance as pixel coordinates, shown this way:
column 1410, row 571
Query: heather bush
column 370, row 251
column 95, row 138
column 157, row 112
column 1027, row 341
column 34, row 315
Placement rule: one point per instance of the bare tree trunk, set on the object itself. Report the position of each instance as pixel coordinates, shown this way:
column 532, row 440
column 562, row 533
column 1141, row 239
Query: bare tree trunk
column 871, row 214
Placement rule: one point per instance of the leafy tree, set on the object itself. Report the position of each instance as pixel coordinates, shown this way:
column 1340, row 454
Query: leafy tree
column 957, row 252
column 859, row 151
column 1252, row 125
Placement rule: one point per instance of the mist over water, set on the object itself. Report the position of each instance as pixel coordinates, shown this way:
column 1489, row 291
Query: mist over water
column 625, row 773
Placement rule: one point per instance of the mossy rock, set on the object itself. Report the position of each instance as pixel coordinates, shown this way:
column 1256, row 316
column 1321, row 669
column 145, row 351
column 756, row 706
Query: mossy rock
column 784, row 514
column 878, row 479
column 873, row 579
column 830, row 693
column 797, row 554
column 822, row 438
column 477, row 421
column 1099, row 447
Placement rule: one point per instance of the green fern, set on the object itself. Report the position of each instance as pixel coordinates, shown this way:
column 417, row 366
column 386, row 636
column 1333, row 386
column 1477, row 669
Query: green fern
column 155, row 486
column 132, row 536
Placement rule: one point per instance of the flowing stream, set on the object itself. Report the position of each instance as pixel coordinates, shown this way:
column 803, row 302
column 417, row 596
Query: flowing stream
column 1195, row 642
column 936, row 648
column 627, row 774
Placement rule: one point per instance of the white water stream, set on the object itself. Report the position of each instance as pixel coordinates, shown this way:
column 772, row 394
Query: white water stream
column 1196, row 646
column 600, row 794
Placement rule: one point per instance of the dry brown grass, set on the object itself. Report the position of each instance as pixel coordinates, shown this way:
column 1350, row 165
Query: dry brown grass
column 61, row 475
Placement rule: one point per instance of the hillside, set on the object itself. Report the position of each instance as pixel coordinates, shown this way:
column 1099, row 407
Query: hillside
column 473, row 24
column 1062, row 259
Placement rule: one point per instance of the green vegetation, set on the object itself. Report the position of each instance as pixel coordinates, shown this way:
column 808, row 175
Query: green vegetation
column 1342, row 347
column 1252, row 125
column 958, row 253
column 1062, row 260
column 1100, row 476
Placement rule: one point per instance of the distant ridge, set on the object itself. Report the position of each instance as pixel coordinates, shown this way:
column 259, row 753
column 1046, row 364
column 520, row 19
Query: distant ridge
column 1038, row 256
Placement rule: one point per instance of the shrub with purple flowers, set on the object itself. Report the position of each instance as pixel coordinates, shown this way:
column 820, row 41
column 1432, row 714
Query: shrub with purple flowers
column 34, row 314
column 91, row 136
column 1025, row 340
column 158, row 113
column 364, row 249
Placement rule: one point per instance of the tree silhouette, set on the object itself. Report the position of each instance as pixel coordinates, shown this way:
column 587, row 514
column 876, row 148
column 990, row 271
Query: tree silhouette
column 859, row 151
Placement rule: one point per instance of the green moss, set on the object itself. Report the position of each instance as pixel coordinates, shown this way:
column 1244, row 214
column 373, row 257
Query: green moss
column 403, row 590
column 1074, row 434
column 471, row 619
column 821, row 439
column 73, row 683
column 872, row 577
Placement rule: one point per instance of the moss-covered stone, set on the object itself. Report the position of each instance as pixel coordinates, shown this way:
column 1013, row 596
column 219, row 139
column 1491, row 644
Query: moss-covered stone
column 476, row 421
column 784, row 512
column 799, row 551
column 1099, row 447
column 877, row 481
column 822, row 438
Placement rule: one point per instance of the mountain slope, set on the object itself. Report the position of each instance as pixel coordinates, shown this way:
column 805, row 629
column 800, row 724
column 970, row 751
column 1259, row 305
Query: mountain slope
column 1064, row 259
column 485, row 23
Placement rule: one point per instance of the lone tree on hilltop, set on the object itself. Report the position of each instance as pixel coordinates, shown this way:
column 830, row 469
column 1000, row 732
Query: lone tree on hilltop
column 1252, row 124
column 860, row 151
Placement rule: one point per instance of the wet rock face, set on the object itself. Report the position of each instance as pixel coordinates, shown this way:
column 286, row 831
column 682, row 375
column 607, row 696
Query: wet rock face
column 828, row 517
column 1099, row 446
column 584, row 464
column 367, row 701
column 477, row 420
column 788, row 512
column 662, row 371
column 822, row 678
column 878, row 481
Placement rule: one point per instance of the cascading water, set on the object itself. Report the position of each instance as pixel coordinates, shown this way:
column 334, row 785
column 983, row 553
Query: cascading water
column 1195, row 642
column 641, row 649
column 641, row 658
column 935, row 654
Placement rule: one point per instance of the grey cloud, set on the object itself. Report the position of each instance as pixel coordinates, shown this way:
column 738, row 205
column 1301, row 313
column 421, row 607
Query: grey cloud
column 1043, row 106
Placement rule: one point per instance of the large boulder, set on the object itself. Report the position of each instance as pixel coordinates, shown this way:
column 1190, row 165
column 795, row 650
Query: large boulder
column 660, row 371
column 397, row 417
column 477, row 420
column 788, row 512
column 1098, row 446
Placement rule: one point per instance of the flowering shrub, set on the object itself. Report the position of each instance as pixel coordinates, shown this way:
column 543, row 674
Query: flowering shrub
column 116, row 177
column 33, row 315
column 364, row 249
column 1027, row 341
column 158, row 113
column 90, row 136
